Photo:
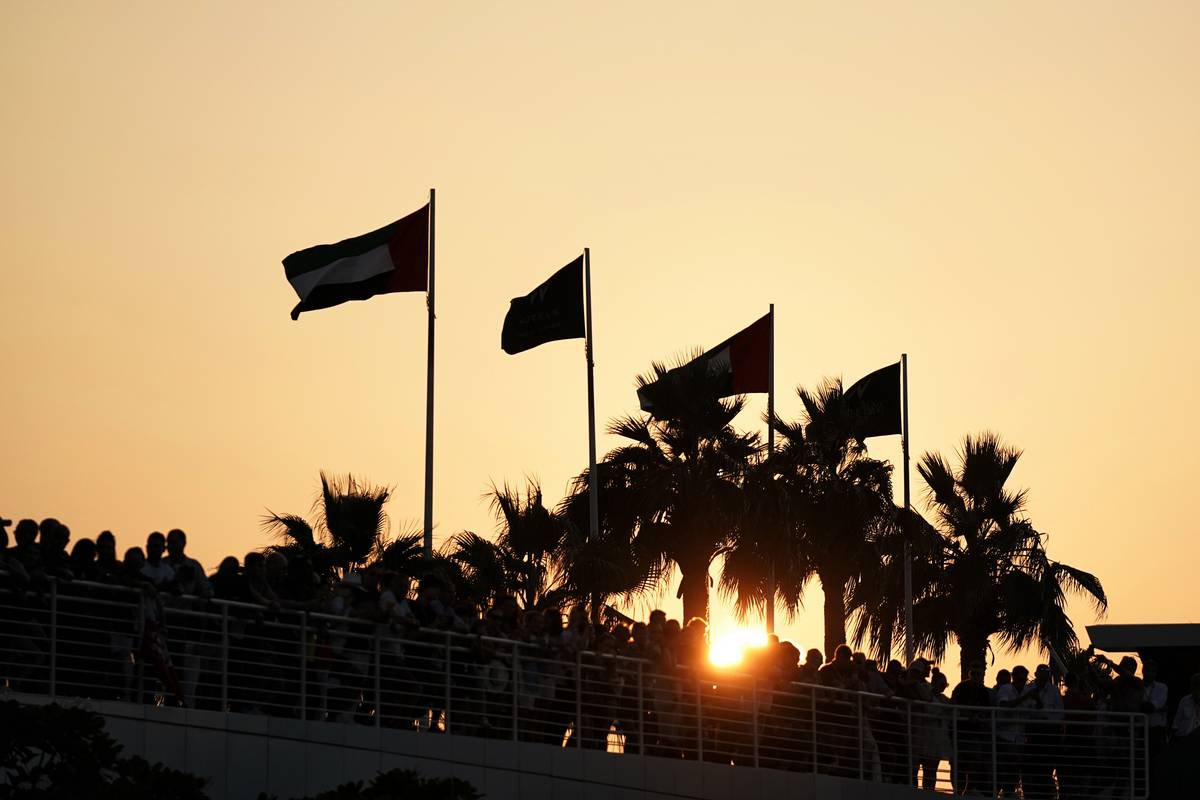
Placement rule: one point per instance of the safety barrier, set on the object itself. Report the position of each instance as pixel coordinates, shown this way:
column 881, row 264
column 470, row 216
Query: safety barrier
column 79, row 639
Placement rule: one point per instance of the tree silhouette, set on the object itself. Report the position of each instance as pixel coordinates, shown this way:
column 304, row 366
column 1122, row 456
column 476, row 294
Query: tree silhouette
column 613, row 565
column 815, row 508
column 55, row 752
column 675, row 485
column 765, row 545
column 351, row 519
column 980, row 571
column 520, row 561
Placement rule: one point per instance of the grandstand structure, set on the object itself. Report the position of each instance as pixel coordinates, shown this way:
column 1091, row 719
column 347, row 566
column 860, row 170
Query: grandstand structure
column 293, row 702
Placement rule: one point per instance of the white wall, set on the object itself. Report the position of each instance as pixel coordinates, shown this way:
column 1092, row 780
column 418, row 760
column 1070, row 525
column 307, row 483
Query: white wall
column 242, row 755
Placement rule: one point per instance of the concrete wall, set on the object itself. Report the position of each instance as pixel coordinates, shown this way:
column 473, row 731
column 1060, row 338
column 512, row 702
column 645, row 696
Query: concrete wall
column 242, row 755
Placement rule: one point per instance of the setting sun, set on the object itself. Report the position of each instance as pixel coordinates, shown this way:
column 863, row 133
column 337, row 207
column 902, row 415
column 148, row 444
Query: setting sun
column 728, row 648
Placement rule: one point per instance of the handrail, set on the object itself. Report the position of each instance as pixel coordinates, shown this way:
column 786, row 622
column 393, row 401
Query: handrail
column 323, row 666
column 516, row 644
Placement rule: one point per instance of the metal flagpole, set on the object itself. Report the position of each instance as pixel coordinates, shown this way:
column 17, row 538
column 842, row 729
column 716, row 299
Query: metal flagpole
column 908, row 596
column 770, row 602
column 429, row 395
column 593, row 481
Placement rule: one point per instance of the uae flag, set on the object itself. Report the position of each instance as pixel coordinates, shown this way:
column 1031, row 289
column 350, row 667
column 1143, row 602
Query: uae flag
column 550, row 312
column 391, row 259
column 742, row 362
column 873, row 403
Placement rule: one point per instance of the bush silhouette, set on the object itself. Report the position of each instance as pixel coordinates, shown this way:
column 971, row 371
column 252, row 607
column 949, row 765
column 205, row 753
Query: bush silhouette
column 51, row 752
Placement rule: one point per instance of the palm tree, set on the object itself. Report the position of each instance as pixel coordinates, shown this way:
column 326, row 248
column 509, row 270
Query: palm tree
column 296, row 541
column 676, row 481
column 614, row 564
column 816, row 508
column 763, row 546
column 351, row 518
column 520, row 560
column 405, row 555
column 981, row 568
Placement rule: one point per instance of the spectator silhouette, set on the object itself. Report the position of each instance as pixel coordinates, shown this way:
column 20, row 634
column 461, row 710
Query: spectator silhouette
column 26, row 550
column 974, row 760
column 255, row 566
column 53, row 539
column 228, row 583
column 1155, row 706
column 1079, row 740
column 83, row 562
column 936, row 745
column 1187, row 714
column 14, row 570
column 156, row 570
column 177, row 558
column 1127, row 690
column 131, row 567
column 1015, row 697
column 1044, row 741
column 107, row 564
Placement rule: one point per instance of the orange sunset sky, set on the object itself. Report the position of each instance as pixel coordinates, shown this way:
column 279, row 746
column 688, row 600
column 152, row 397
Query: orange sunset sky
column 1007, row 192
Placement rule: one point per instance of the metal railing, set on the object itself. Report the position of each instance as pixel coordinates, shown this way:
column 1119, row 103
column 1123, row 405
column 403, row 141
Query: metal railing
column 78, row 639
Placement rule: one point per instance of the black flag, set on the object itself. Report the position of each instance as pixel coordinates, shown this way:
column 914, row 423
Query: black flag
column 550, row 312
column 873, row 403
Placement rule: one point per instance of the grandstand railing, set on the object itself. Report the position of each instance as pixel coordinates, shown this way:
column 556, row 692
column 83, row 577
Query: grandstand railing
column 79, row 639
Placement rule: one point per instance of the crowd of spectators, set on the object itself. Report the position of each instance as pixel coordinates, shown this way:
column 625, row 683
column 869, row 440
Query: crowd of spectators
column 268, row 635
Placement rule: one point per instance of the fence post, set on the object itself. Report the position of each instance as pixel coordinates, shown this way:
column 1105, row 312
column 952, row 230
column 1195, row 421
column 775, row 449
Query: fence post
column 446, row 701
column 141, row 639
column 995, row 763
column 861, row 754
column 699, row 722
column 304, row 665
column 754, row 715
column 953, row 748
column 1146, row 754
column 516, row 688
column 54, row 638
column 224, row 657
column 579, row 699
column 1132, row 761
column 641, row 726
column 912, row 767
column 813, row 711
column 379, row 682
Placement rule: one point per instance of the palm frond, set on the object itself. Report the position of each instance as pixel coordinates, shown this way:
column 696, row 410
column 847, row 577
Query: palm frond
column 353, row 517
column 1077, row 581
column 289, row 528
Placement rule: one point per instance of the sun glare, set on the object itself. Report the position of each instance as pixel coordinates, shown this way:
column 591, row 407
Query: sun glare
column 729, row 647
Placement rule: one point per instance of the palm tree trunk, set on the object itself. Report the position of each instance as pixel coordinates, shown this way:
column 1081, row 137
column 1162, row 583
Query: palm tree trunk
column 597, row 604
column 970, row 650
column 693, row 583
column 834, row 587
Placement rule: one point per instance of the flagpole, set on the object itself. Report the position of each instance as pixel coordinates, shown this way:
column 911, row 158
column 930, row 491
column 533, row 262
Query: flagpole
column 908, row 595
column 593, row 481
column 429, row 395
column 770, row 600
